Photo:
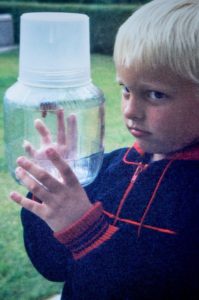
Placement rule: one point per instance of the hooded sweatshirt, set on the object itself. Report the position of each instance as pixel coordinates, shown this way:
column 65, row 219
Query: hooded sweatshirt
column 140, row 239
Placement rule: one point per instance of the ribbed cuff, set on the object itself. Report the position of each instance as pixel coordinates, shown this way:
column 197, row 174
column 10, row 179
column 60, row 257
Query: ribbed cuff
column 87, row 233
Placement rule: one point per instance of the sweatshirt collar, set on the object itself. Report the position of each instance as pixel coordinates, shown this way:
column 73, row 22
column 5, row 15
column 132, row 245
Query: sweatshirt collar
column 188, row 153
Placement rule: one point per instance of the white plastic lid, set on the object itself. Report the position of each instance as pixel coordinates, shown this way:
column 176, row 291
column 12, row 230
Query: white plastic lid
column 54, row 49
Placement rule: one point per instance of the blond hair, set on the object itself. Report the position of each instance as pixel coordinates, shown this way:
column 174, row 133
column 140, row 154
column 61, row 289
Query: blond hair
column 162, row 33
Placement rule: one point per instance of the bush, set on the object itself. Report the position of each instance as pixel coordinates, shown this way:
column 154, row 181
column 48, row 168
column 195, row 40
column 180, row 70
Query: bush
column 86, row 1
column 104, row 20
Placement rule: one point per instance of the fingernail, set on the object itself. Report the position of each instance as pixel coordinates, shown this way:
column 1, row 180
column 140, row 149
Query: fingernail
column 21, row 159
column 18, row 172
column 24, row 162
column 26, row 143
column 13, row 195
column 38, row 123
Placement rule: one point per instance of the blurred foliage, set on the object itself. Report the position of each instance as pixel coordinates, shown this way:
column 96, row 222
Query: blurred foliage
column 84, row 1
column 104, row 19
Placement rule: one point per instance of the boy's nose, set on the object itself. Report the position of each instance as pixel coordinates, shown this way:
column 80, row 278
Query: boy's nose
column 133, row 109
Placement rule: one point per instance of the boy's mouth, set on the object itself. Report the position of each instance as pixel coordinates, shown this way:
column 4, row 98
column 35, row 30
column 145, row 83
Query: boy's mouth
column 136, row 132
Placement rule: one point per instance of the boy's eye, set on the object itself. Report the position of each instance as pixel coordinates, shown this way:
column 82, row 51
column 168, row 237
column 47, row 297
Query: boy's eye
column 155, row 95
column 125, row 90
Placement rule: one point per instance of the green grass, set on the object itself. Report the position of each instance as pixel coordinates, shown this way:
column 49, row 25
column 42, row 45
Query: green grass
column 18, row 279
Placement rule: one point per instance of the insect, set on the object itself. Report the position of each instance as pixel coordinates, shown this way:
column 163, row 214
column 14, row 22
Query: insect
column 47, row 106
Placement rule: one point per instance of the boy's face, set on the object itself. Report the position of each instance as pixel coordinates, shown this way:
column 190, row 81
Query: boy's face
column 160, row 109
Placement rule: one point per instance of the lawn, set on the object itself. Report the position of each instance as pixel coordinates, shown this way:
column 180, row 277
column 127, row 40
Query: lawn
column 18, row 279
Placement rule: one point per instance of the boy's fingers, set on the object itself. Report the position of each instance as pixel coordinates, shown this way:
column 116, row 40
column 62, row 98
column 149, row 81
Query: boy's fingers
column 40, row 191
column 61, row 131
column 64, row 169
column 44, row 181
column 29, row 148
column 72, row 135
column 43, row 131
column 30, row 205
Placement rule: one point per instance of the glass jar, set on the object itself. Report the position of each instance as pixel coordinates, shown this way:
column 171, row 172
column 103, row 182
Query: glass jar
column 55, row 77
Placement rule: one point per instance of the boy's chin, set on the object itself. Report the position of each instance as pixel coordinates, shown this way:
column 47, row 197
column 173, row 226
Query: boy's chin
column 164, row 149
column 154, row 148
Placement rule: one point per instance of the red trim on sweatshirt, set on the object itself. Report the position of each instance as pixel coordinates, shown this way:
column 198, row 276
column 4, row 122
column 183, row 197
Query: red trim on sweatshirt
column 138, row 149
column 153, row 196
column 68, row 234
column 137, row 224
column 126, row 161
column 191, row 153
column 105, row 237
column 87, row 233
column 188, row 153
column 138, row 170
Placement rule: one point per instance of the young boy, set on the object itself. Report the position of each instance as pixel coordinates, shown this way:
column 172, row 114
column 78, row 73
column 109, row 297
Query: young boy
column 134, row 232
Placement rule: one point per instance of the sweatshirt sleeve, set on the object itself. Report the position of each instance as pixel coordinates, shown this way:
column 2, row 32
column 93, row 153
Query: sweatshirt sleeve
column 50, row 258
column 87, row 233
column 53, row 254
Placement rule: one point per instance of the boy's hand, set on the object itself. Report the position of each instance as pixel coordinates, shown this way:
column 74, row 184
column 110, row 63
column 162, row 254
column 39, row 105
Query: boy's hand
column 66, row 144
column 62, row 203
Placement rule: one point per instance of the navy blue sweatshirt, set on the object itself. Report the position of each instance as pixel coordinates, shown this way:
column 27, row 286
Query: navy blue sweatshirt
column 139, row 241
